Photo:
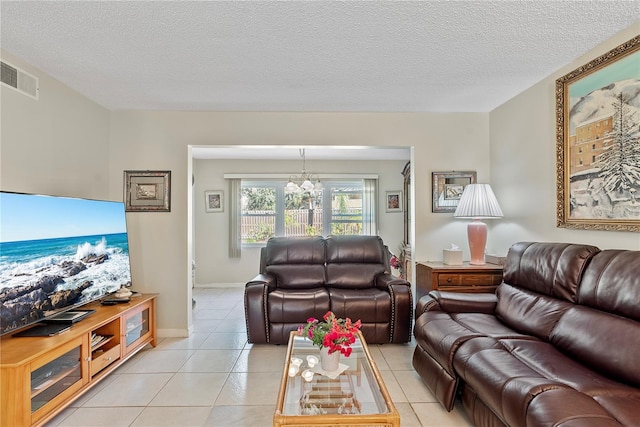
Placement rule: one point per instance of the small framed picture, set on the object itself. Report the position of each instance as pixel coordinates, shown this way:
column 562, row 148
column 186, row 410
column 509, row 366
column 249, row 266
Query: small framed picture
column 448, row 188
column 147, row 191
column 394, row 201
column 214, row 201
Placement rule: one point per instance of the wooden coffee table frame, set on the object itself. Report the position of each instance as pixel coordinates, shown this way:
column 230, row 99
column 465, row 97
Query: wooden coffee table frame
column 389, row 418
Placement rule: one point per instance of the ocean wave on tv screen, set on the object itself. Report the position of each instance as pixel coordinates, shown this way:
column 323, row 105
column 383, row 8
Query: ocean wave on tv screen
column 24, row 263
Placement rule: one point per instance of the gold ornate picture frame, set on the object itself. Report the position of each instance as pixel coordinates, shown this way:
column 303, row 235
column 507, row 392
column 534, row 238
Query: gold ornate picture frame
column 147, row 191
column 598, row 142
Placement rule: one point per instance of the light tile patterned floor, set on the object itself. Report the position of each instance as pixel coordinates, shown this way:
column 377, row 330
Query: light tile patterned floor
column 215, row 378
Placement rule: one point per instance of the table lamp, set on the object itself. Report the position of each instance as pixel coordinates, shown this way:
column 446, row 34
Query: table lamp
column 477, row 202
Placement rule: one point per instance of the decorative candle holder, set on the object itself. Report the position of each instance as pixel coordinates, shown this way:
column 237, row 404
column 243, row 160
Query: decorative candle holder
column 312, row 360
column 294, row 366
column 293, row 370
column 307, row 374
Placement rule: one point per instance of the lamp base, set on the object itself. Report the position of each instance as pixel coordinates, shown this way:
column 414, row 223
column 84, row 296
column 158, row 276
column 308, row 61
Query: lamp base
column 477, row 235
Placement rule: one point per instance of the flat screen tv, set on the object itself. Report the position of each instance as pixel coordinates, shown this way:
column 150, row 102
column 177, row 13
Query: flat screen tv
column 57, row 253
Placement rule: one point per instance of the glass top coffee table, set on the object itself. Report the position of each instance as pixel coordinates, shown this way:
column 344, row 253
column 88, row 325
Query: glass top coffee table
column 353, row 395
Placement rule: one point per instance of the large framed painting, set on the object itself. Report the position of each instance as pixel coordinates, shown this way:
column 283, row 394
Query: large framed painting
column 598, row 142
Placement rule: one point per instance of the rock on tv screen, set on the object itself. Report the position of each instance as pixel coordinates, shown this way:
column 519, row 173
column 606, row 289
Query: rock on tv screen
column 57, row 253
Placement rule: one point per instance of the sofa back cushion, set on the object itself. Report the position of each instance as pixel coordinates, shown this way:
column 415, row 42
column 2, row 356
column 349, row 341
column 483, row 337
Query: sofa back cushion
column 611, row 283
column 354, row 262
column 296, row 263
column 553, row 269
column 528, row 312
column 603, row 331
column 607, row 343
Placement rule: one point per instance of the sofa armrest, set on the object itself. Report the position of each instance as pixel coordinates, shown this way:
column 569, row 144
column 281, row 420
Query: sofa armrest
column 383, row 281
column 263, row 279
column 457, row 302
column 255, row 303
column 401, row 306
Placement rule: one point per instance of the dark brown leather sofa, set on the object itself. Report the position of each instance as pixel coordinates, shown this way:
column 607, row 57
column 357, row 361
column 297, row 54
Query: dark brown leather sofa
column 308, row 276
column 557, row 345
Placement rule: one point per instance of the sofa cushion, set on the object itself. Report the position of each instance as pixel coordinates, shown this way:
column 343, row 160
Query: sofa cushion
column 356, row 249
column 295, row 250
column 612, row 283
column 354, row 262
column 296, row 306
column 604, row 342
column 552, row 269
column 623, row 407
column 440, row 336
column 558, row 365
column 369, row 305
column 297, row 276
column 296, row 262
column 529, row 312
column 353, row 276
column 513, row 376
column 505, row 383
column 568, row 408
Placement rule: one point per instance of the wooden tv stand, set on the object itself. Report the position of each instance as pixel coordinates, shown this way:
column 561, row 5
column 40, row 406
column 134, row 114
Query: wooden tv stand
column 40, row 376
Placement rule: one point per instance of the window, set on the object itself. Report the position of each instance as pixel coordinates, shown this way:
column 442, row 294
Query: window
column 341, row 207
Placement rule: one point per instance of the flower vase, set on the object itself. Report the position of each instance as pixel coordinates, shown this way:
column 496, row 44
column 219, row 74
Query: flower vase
column 329, row 362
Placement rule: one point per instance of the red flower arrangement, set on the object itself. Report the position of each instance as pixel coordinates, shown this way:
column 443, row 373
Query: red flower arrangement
column 395, row 262
column 336, row 334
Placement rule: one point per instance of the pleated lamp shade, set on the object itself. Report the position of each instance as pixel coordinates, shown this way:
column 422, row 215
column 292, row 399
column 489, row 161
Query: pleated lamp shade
column 477, row 202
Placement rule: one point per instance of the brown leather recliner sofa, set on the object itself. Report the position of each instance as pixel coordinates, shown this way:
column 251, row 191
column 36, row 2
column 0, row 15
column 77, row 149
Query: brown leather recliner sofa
column 557, row 345
column 303, row 277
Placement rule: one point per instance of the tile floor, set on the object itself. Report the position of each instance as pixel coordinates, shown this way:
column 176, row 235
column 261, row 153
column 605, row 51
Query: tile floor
column 215, row 378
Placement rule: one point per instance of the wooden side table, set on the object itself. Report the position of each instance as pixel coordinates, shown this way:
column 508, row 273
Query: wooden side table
column 431, row 275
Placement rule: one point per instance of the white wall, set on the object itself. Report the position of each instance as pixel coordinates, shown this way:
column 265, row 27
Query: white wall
column 211, row 230
column 523, row 165
column 58, row 144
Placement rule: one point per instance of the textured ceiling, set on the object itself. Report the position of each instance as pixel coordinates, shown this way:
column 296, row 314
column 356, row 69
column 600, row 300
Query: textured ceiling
column 435, row 56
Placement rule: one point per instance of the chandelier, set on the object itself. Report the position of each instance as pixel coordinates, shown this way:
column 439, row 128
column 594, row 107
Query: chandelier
column 306, row 182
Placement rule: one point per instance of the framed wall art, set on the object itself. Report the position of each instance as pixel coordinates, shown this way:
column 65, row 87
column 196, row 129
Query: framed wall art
column 393, row 201
column 598, row 142
column 147, row 191
column 214, row 201
column 448, row 188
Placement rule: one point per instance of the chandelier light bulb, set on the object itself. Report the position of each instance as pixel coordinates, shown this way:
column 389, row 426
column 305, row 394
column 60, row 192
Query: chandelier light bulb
column 305, row 183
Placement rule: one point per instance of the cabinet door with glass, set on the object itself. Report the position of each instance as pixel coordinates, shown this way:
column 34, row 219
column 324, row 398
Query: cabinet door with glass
column 138, row 325
column 56, row 376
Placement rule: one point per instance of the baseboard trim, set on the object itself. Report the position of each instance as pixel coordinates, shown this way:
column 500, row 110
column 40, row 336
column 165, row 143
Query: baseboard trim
column 219, row 285
column 173, row 333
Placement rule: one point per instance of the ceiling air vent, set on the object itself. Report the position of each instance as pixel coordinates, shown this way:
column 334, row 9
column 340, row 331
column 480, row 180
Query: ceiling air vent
column 19, row 80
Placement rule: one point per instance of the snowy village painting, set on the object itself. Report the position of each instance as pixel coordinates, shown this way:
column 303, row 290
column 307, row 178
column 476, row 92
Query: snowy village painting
column 598, row 142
